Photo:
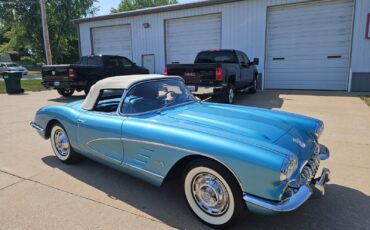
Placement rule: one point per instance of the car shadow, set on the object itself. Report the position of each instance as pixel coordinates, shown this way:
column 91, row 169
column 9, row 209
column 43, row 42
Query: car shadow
column 274, row 99
column 341, row 208
column 68, row 99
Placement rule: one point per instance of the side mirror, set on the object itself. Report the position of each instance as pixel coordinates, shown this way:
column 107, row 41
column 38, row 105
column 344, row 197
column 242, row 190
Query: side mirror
column 256, row 61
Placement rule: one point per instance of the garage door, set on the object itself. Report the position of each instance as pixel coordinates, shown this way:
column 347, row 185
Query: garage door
column 114, row 40
column 308, row 45
column 185, row 37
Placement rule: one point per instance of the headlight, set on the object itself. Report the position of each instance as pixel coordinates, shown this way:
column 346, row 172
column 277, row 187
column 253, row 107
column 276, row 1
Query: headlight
column 319, row 129
column 288, row 167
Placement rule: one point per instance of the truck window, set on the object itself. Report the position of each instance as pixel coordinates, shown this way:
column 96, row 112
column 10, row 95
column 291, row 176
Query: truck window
column 94, row 61
column 124, row 62
column 216, row 57
column 83, row 61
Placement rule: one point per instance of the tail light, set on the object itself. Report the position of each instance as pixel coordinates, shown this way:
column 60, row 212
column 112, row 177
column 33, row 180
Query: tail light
column 219, row 74
column 165, row 71
column 72, row 73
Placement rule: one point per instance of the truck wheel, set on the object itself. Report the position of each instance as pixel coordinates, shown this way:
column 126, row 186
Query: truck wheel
column 229, row 94
column 253, row 88
column 88, row 87
column 212, row 193
column 66, row 92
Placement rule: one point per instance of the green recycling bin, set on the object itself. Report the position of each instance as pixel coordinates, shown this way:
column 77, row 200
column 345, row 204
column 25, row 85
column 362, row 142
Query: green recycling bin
column 13, row 82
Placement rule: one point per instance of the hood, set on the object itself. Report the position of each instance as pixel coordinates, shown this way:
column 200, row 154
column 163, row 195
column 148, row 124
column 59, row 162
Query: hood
column 230, row 121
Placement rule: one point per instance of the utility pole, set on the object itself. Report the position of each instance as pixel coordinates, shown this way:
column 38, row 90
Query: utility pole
column 45, row 31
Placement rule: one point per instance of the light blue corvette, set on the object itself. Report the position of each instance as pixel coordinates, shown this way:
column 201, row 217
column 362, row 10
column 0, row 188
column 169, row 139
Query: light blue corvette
column 230, row 157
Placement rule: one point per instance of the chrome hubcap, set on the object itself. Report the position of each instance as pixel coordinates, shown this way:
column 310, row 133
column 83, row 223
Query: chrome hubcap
column 61, row 142
column 231, row 96
column 210, row 194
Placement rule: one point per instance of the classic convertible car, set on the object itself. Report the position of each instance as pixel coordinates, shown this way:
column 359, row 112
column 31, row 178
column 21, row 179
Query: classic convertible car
column 230, row 157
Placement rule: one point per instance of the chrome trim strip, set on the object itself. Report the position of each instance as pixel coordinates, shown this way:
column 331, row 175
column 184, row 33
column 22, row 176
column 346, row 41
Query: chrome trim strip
column 37, row 127
column 288, row 205
column 143, row 170
column 186, row 150
column 116, row 161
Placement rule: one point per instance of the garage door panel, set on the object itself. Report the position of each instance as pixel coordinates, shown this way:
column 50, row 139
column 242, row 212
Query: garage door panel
column 309, row 43
column 112, row 40
column 185, row 37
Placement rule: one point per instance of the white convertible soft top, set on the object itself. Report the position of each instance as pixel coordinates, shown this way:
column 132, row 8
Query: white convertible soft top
column 119, row 82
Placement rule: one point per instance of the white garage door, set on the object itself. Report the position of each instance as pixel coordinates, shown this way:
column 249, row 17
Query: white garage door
column 114, row 40
column 185, row 37
column 308, row 45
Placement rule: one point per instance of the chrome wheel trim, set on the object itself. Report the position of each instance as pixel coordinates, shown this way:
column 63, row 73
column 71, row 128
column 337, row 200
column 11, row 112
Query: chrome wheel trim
column 255, row 84
column 231, row 95
column 210, row 194
column 206, row 217
column 60, row 143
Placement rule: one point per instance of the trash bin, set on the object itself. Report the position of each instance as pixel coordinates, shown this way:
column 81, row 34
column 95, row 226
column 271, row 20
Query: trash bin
column 13, row 82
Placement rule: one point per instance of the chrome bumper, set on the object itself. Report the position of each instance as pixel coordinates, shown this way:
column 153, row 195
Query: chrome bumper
column 301, row 195
column 39, row 129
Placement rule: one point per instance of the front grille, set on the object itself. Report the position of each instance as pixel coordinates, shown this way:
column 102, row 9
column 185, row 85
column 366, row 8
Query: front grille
column 310, row 169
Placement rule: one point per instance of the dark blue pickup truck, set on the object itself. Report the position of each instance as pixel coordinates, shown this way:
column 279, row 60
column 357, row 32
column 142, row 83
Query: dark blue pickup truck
column 218, row 73
column 68, row 78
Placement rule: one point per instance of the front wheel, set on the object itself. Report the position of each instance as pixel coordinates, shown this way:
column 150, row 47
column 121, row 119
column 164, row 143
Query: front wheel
column 61, row 145
column 253, row 88
column 212, row 193
column 66, row 92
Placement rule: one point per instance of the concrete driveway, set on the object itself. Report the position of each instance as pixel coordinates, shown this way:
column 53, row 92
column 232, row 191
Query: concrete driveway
column 39, row 192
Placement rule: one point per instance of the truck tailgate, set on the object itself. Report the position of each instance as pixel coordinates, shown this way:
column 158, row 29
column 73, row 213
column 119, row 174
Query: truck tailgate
column 55, row 73
column 193, row 73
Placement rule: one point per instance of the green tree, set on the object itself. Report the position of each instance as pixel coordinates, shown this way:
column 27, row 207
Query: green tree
column 20, row 23
column 127, row 5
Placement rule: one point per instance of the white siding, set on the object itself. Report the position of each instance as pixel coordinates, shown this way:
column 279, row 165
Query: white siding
column 361, row 45
column 113, row 40
column 243, row 28
column 185, row 37
column 308, row 45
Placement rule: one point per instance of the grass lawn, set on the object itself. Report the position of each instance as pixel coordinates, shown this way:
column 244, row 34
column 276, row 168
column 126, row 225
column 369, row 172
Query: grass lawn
column 366, row 99
column 34, row 71
column 27, row 85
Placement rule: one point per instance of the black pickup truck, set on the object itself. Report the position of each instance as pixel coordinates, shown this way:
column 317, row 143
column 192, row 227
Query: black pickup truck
column 218, row 73
column 68, row 78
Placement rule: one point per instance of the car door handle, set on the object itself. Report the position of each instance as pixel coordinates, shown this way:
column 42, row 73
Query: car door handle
column 79, row 121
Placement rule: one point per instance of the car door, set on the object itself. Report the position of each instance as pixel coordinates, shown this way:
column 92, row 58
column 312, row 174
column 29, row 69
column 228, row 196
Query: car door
column 243, row 69
column 249, row 70
column 99, row 130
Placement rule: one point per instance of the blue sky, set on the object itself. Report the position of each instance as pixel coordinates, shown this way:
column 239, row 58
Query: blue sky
column 106, row 5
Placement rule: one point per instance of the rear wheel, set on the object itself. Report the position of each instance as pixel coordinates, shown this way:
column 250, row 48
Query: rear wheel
column 212, row 193
column 61, row 145
column 88, row 87
column 66, row 92
column 229, row 94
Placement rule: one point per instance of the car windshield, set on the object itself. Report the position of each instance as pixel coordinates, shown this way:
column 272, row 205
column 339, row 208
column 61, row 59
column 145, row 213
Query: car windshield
column 11, row 65
column 155, row 95
column 216, row 57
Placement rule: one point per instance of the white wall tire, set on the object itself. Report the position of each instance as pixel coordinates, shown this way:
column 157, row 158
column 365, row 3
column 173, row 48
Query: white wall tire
column 61, row 145
column 212, row 194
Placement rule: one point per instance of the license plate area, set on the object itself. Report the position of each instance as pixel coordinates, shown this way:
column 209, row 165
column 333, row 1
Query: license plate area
column 56, row 83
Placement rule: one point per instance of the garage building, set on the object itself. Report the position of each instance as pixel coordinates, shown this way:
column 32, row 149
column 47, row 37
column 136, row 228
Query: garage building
column 316, row 44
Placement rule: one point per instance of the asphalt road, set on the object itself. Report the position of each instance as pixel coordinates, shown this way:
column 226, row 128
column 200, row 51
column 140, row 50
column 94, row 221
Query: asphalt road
column 39, row 192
